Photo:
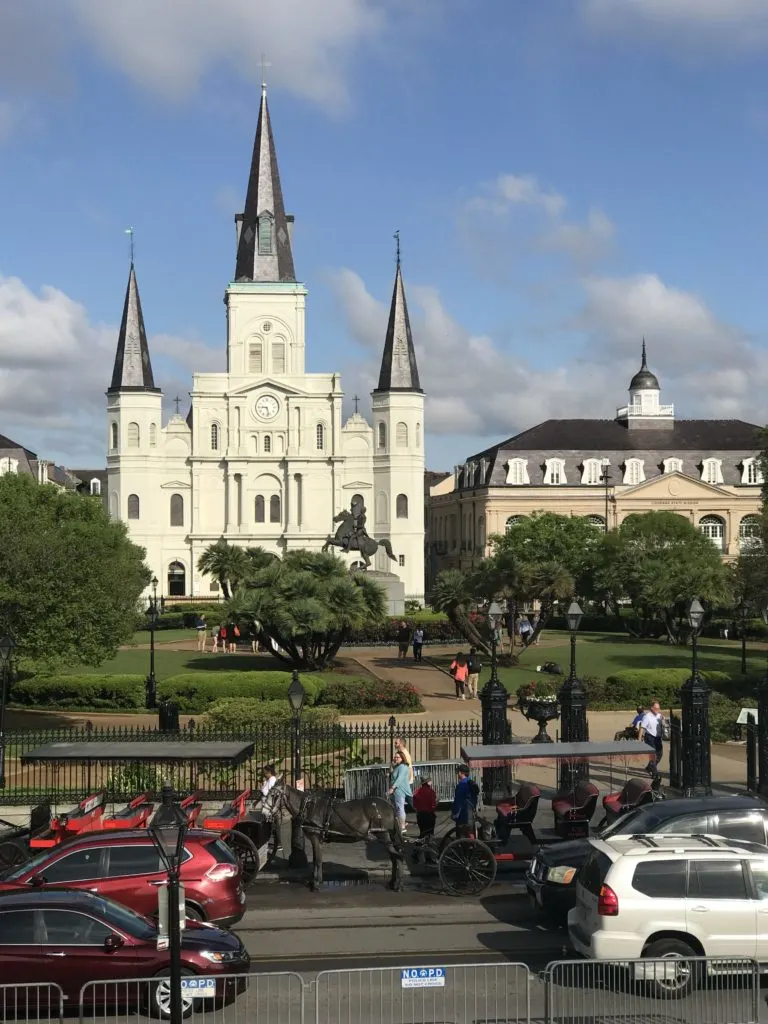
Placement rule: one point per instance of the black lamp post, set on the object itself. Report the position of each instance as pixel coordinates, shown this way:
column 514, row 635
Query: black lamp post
column 606, row 478
column 150, row 682
column 6, row 653
column 296, row 698
column 168, row 830
column 762, row 725
column 573, row 707
column 694, row 699
column 741, row 608
column 493, row 702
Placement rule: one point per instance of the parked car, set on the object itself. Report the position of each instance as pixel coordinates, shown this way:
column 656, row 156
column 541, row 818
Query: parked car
column 69, row 938
column 550, row 879
column 671, row 897
column 125, row 866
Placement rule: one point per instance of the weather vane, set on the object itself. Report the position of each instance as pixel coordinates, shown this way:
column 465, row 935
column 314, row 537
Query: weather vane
column 396, row 237
column 129, row 231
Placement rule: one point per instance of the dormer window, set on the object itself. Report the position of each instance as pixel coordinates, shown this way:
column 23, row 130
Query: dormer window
column 751, row 473
column 265, row 234
column 634, row 471
column 517, row 472
column 673, row 465
column 712, row 471
column 592, row 472
column 554, row 472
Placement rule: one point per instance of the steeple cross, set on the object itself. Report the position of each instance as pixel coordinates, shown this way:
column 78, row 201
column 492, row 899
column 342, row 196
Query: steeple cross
column 264, row 65
column 396, row 237
column 129, row 231
column 356, row 400
column 177, row 400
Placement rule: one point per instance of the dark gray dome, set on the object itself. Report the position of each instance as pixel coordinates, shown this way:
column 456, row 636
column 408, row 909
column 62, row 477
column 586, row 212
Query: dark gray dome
column 644, row 380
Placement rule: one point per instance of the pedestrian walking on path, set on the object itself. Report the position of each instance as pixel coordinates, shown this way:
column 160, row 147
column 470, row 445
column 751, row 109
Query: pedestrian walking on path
column 399, row 787
column 403, row 641
column 418, row 643
column 474, row 667
column 650, row 732
column 459, row 671
column 202, row 632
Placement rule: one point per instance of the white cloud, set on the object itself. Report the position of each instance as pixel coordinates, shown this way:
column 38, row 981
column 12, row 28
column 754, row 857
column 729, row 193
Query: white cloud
column 740, row 24
column 10, row 116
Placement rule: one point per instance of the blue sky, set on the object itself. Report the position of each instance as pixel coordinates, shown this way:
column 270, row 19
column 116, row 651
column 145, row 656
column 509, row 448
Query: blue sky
column 566, row 176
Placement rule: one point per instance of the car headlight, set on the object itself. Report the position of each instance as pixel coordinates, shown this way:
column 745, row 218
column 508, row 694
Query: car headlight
column 216, row 957
column 563, row 874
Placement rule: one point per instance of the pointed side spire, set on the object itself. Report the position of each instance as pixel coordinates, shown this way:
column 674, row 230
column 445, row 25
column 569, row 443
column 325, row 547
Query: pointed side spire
column 644, row 380
column 644, row 364
column 133, row 369
column 399, row 371
column 264, row 242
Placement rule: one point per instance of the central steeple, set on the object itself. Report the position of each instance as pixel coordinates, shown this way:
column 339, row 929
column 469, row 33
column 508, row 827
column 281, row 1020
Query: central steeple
column 399, row 371
column 263, row 236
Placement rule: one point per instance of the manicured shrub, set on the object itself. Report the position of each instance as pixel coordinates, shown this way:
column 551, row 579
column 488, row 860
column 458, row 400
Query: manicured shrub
column 355, row 696
column 243, row 714
column 628, row 689
column 196, row 691
column 73, row 693
column 437, row 630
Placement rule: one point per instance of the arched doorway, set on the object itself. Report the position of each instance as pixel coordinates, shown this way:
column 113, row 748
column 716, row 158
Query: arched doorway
column 177, row 580
column 713, row 527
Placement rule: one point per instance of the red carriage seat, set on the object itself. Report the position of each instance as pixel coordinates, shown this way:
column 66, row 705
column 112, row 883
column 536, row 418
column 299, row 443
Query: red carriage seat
column 635, row 793
column 518, row 810
column 573, row 810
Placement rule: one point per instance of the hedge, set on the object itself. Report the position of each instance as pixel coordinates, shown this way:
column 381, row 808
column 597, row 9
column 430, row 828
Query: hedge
column 89, row 693
column 245, row 714
column 437, row 630
column 352, row 696
column 196, row 691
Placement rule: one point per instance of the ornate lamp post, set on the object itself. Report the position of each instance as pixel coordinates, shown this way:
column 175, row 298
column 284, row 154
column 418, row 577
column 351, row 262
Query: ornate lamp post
column 150, row 682
column 296, row 698
column 493, row 702
column 762, row 725
column 168, row 830
column 606, row 478
column 6, row 653
column 573, row 707
column 694, row 699
column 741, row 609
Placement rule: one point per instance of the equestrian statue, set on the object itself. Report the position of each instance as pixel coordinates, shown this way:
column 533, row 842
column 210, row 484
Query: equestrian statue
column 352, row 535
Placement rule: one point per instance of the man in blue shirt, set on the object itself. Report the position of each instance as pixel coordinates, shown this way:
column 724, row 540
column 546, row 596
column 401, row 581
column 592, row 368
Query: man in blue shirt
column 464, row 801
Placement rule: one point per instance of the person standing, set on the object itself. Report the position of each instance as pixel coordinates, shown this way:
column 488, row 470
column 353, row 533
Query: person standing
column 418, row 643
column 399, row 787
column 649, row 732
column 524, row 628
column 202, row 632
column 425, row 804
column 405, row 753
column 233, row 632
column 474, row 667
column 464, row 801
column 460, row 672
column 403, row 641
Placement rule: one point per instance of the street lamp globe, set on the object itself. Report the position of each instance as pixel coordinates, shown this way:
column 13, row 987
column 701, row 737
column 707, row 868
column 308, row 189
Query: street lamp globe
column 6, row 649
column 168, row 831
column 696, row 614
column 297, row 695
column 495, row 611
column 573, row 616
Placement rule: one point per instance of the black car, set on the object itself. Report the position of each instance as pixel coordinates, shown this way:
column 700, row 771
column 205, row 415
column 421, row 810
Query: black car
column 552, row 872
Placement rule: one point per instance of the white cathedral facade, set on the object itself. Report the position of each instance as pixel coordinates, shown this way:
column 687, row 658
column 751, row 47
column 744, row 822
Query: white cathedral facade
column 263, row 456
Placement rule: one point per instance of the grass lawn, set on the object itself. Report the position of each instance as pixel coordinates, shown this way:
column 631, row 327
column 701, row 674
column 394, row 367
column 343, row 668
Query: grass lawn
column 604, row 654
column 162, row 636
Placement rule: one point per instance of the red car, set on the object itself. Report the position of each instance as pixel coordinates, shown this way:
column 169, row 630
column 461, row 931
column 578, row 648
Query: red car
column 125, row 866
column 70, row 938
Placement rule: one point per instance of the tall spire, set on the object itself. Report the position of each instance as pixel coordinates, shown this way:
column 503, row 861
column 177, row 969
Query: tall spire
column 644, row 380
column 398, row 364
column 133, row 369
column 264, row 242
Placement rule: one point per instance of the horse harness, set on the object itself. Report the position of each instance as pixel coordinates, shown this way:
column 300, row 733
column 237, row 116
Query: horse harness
column 332, row 807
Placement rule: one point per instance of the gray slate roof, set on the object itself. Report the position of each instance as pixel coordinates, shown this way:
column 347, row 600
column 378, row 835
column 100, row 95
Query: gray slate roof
column 399, row 371
column 264, row 196
column 133, row 369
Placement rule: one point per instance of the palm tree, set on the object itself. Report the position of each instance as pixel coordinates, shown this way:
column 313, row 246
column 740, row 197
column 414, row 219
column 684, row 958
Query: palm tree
column 452, row 594
column 227, row 563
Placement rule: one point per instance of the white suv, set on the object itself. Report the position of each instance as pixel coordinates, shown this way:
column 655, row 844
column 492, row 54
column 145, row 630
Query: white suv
column 660, row 896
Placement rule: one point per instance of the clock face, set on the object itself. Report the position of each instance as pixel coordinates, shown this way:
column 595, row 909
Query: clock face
column 267, row 407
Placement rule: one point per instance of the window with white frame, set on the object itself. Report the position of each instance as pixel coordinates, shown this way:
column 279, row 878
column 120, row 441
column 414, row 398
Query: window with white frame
column 554, row 471
column 751, row 473
column 401, row 506
column 634, row 471
column 517, row 472
column 153, row 435
column 712, row 471
column 512, row 521
column 214, row 437
column 8, row 465
column 673, row 465
column 278, row 357
column 592, row 472
column 320, row 437
column 382, row 441
column 597, row 521
column 749, row 532
column 267, row 445
column 96, row 487
column 713, row 528
column 265, row 235
column 401, row 560
column 112, row 436
column 133, row 506
column 401, row 435
column 255, row 357
column 134, row 435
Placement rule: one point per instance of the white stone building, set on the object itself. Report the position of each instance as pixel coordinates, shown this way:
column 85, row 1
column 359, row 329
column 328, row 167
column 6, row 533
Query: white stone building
column 263, row 457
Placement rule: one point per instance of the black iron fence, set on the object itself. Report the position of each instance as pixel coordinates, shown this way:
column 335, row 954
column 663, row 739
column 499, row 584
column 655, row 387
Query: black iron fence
column 675, row 751
column 326, row 752
column 752, row 774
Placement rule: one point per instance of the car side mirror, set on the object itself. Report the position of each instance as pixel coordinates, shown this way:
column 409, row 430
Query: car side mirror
column 113, row 942
column 37, row 881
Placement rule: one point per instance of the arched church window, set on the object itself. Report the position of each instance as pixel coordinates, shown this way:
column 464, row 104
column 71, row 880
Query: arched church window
column 113, row 437
column 401, row 506
column 214, row 437
column 95, row 487
column 133, row 506
column 274, row 508
column 320, row 437
column 401, row 435
column 382, row 435
column 177, row 580
column 134, row 435
column 259, row 508
column 153, row 435
column 278, row 357
column 177, row 510
column 267, row 444
column 255, row 357
column 265, row 235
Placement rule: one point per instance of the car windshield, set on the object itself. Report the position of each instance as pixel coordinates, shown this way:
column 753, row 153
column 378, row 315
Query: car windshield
column 13, row 874
column 637, row 822
column 124, row 919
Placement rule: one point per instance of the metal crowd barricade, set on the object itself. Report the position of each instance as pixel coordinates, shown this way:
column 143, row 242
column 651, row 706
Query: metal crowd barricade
column 373, row 780
column 462, row 994
column 277, row 998
column 42, row 1001
column 677, row 991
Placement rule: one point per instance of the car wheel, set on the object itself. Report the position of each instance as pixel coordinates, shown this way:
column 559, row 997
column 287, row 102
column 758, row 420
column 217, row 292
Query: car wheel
column 159, row 997
column 678, row 975
column 193, row 913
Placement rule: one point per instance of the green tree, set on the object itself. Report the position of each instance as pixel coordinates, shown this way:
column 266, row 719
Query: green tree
column 70, row 579
column 454, row 592
column 227, row 563
column 660, row 561
column 306, row 604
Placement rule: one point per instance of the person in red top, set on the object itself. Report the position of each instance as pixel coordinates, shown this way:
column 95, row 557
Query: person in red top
column 425, row 804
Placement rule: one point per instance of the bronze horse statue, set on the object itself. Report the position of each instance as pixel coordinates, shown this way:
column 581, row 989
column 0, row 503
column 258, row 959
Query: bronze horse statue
column 324, row 819
column 352, row 535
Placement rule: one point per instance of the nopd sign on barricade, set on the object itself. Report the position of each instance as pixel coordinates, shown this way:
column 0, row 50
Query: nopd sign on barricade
column 411, row 995
column 689, row 991
column 35, row 1002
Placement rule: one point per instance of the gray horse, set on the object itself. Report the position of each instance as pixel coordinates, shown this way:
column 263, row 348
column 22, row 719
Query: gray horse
column 326, row 820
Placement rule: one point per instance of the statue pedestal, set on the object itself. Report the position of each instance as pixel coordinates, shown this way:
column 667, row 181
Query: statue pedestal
column 393, row 587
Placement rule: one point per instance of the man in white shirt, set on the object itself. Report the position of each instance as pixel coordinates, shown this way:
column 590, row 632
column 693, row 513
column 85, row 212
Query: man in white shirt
column 270, row 778
column 650, row 733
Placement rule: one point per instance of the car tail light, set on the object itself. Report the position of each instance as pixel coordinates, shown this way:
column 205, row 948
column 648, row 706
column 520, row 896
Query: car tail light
column 607, row 902
column 221, row 871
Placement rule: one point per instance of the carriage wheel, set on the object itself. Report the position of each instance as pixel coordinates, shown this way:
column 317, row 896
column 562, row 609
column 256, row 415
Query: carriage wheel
column 449, row 837
column 467, row 867
column 12, row 855
column 246, row 852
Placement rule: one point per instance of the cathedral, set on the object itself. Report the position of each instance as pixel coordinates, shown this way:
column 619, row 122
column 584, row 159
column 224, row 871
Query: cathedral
column 263, row 457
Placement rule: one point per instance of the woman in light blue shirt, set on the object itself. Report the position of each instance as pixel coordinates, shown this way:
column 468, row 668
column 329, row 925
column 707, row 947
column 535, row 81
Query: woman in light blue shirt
column 399, row 787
